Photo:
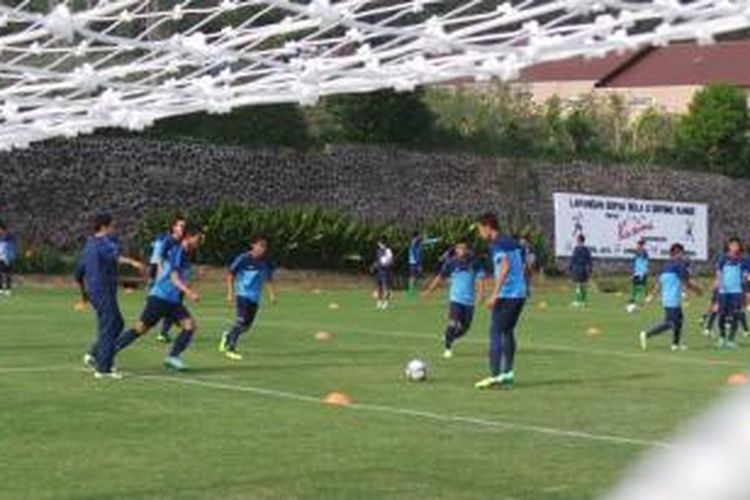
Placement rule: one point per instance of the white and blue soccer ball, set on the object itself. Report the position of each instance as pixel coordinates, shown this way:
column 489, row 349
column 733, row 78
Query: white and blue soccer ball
column 416, row 370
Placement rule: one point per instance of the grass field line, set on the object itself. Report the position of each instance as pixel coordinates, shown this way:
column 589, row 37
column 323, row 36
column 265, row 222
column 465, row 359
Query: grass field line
column 440, row 417
column 364, row 407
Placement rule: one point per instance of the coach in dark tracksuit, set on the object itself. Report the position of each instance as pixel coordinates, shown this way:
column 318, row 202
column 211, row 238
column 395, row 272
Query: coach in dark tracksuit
column 98, row 268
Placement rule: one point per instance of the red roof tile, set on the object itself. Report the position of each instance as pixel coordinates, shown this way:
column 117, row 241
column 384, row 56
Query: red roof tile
column 575, row 69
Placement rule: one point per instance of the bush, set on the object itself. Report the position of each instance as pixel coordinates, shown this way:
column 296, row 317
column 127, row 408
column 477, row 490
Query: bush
column 314, row 238
column 43, row 260
column 713, row 135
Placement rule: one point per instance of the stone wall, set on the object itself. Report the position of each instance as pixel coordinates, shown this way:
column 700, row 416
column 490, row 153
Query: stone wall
column 49, row 192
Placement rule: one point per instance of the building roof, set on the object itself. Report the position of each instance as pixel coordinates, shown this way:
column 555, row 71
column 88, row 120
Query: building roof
column 685, row 64
column 575, row 69
column 679, row 64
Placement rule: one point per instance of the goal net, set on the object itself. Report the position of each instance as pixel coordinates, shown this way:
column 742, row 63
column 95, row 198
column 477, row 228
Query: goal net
column 68, row 68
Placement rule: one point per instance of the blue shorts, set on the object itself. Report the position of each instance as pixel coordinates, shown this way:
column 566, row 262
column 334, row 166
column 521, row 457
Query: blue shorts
column 461, row 314
column 382, row 278
column 580, row 276
column 730, row 303
column 157, row 309
column 245, row 311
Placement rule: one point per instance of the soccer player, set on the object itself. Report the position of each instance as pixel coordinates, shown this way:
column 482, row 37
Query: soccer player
column 97, row 271
column 415, row 262
column 506, row 302
column 248, row 274
column 580, row 267
column 381, row 268
column 640, row 274
column 465, row 273
column 731, row 272
column 160, row 248
column 8, row 253
column 674, row 275
column 165, row 300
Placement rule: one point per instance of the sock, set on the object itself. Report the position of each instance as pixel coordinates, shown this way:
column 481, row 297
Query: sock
column 584, row 293
column 125, row 339
column 234, row 336
column 711, row 320
column 181, row 343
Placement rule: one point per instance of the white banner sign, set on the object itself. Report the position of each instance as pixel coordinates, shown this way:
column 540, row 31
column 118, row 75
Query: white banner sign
column 612, row 226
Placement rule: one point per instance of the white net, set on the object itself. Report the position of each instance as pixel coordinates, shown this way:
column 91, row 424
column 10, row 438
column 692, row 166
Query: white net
column 70, row 68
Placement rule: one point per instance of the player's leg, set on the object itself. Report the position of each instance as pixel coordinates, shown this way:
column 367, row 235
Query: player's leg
column 495, row 349
column 677, row 319
column 110, row 324
column 154, row 310
column 244, row 317
column 458, row 315
column 735, row 304
column 4, row 278
column 515, row 307
column 634, row 290
column 723, row 319
column 659, row 328
column 181, row 316
column 166, row 326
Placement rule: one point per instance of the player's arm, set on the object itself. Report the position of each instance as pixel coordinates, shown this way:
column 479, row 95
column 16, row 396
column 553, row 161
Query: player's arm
column 229, row 278
column 174, row 277
column 272, row 292
column 433, row 285
column 481, row 288
column 654, row 290
column 127, row 261
column 502, row 276
column 79, row 275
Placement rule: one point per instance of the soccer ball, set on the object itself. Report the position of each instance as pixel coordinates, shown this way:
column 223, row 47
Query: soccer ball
column 416, row 370
column 631, row 308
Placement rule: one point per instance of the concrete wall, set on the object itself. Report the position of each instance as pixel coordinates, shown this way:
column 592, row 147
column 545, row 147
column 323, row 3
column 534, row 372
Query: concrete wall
column 48, row 193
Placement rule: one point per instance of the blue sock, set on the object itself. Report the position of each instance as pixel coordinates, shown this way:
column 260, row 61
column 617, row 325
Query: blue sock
column 125, row 339
column 181, row 342
column 166, row 325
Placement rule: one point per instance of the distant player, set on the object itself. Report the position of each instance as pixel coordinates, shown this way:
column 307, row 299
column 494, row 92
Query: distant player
column 639, row 274
column 674, row 275
column 731, row 273
column 581, row 267
column 505, row 303
column 8, row 253
column 97, row 272
column 465, row 273
column 247, row 276
column 415, row 253
column 382, row 270
column 160, row 248
column 165, row 300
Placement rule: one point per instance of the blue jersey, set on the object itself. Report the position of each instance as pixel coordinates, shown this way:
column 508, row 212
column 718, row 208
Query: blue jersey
column 176, row 261
column 8, row 249
column 97, row 267
column 463, row 275
column 580, row 261
column 732, row 271
column 640, row 264
column 160, row 248
column 673, row 275
column 249, row 276
column 415, row 252
column 505, row 247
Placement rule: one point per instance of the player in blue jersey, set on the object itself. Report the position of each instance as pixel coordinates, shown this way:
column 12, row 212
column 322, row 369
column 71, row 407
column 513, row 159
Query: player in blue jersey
column 581, row 267
column 160, row 248
column 382, row 269
column 248, row 274
column 165, row 300
column 414, row 258
column 639, row 274
column 674, row 276
column 731, row 274
column 466, row 274
column 506, row 301
column 8, row 254
column 97, row 274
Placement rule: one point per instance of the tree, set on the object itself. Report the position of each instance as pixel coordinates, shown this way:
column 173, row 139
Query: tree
column 713, row 133
column 380, row 117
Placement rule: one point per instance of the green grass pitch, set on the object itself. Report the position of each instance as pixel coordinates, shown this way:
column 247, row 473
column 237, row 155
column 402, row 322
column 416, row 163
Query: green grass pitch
column 585, row 406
